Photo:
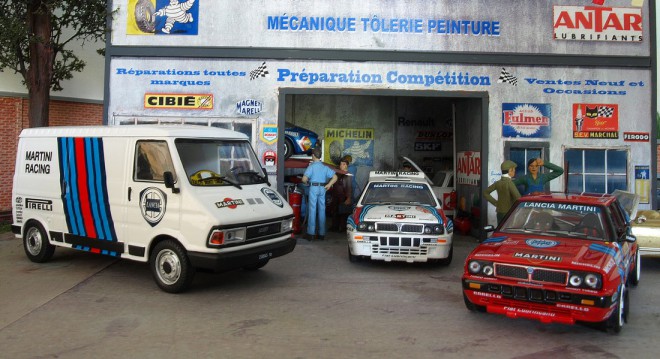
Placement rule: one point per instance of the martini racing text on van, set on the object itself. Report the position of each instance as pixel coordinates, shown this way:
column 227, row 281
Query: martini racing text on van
column 178, row 197
column 398, row 218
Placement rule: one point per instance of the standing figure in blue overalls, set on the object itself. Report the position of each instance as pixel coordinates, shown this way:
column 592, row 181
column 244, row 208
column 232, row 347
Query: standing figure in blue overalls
column 317, row 175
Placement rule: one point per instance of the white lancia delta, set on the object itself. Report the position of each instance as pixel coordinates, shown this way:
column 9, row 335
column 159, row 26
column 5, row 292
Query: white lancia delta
column 398, row 218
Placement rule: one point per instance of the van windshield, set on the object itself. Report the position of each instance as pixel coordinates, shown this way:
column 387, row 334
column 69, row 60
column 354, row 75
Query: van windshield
column 212, row 162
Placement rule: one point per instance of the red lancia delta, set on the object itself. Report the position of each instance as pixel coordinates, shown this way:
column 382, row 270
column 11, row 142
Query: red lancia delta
column 557, row 258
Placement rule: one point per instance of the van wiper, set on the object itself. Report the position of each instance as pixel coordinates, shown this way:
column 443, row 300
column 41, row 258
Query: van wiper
column 233, row 183
column 261, row 178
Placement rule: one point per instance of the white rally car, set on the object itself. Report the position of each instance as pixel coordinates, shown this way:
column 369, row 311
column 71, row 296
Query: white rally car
column 398, row 218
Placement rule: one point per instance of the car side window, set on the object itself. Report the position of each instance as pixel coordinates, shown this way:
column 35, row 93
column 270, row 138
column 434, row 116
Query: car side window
column 618, row 219
column 152, row 159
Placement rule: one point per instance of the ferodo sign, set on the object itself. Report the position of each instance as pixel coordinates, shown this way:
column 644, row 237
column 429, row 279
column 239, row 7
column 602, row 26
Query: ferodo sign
column 180, row 101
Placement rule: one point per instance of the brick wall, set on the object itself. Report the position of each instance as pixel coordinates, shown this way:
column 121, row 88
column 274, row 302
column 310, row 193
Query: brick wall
column 14, row 117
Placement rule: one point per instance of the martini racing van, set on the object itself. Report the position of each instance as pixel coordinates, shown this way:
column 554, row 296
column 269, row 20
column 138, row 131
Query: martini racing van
column 398, row 218
column 177, row 197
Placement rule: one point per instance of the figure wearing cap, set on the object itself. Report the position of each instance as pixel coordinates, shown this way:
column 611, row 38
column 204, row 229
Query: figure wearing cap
column 507, row 193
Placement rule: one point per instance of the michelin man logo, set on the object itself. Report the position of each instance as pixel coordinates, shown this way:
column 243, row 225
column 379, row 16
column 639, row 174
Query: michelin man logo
column 176, row 12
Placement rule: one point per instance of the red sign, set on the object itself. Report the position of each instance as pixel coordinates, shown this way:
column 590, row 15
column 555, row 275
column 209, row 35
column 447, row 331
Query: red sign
column 597, row 23
column 595, row 121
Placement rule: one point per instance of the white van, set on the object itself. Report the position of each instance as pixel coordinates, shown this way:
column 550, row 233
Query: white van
column 178, row 197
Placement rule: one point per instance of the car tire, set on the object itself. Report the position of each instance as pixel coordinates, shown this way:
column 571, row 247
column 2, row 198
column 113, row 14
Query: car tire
column 288, row 148
column 471, row 306
column 256, row 266
column 615, row 322
column 447, row 261
column 636, row 270
column 353, row 258
column 171, row 267
column 35, row 243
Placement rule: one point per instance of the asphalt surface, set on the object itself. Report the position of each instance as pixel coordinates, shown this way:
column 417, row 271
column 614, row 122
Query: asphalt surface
column 312, row 303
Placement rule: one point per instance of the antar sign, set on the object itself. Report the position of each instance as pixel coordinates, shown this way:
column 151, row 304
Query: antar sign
column 597, row 23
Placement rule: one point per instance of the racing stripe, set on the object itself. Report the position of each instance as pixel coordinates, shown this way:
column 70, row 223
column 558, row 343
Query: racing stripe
column 84, row 188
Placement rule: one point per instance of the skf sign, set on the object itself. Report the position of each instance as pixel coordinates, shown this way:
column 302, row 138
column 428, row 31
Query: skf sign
column 597, row 23
column 180, row 101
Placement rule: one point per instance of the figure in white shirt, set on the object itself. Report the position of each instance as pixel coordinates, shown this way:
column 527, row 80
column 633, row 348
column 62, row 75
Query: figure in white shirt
column 175, row 12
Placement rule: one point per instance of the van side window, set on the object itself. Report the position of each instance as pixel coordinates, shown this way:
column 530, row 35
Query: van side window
column 152, row 159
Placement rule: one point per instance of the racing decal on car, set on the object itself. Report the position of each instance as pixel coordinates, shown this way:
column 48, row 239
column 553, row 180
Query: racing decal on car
column 541, row 243
column 538, row 257
column 495, row 240
column 153, row 202
column 229, row 203
column 84, row 188
column 400, row 216
column 562, row 206
column 398, row 208
column 272, row 196
column 39, row 204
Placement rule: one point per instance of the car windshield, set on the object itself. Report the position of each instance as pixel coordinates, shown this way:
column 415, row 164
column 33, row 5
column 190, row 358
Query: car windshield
column 565, row 219
column 398, row 193
column 217, row 162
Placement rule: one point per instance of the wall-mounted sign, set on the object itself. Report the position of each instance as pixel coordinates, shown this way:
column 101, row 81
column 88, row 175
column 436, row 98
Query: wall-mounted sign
column 643, row 183
column 597, row 23
column 356, row 142
column 526, row 120
column 249, row 107
column 178, row 101
column 468, row 168
column 162, row 17
column 599, row 121
column 269, row 134
column 636, row 136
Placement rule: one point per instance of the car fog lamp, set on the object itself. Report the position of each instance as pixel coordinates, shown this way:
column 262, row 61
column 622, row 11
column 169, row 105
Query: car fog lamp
column 575, row 280
column 474, row 267
column 591, row 280
column 488, row 270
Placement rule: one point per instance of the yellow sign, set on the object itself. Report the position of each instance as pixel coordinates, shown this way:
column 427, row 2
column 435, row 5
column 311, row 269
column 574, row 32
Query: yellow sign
column 180, row 101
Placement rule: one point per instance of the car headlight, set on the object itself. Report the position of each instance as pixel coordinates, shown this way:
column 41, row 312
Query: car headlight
column 434, row 229
column 585, row 280
column 287, row 225
column 226, row 236
column 480, row 267
column 366, row 227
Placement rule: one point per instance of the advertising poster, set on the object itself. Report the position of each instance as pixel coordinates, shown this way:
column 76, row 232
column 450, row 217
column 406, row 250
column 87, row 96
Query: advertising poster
column 530, row 120
column 468, row 168
column 162, row 17
column 357, row 142
column 597, row 121
column 643, row 183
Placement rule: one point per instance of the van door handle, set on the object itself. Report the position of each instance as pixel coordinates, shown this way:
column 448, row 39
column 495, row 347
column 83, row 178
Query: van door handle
column 129, row 193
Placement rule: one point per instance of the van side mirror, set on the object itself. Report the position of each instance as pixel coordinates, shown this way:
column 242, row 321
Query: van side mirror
column 168, row 177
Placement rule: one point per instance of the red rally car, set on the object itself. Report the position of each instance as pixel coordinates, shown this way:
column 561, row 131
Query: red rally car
column 557, row 258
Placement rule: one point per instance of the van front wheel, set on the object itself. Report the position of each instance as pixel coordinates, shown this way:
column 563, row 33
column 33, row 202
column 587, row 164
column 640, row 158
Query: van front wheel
column 36, row 245
column 171, row 267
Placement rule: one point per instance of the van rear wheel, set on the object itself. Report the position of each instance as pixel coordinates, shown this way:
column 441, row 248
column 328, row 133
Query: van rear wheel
column 171, row 267
column 36, row 245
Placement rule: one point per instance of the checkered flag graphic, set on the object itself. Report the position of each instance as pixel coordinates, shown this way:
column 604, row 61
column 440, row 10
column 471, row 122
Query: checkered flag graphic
column 605, row 111
column 506, row 77
column 260, row 71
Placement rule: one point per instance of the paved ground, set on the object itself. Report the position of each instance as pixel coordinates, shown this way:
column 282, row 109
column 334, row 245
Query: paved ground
column 312, row 303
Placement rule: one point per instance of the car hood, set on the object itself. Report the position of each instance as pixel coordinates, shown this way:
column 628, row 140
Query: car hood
column 555, row 252
column 401, row 213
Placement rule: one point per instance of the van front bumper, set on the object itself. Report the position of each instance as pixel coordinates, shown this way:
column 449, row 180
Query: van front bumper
column 225, row 261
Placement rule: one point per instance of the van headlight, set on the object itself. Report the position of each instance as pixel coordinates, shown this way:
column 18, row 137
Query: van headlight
column 226, row 236
column 287, row 225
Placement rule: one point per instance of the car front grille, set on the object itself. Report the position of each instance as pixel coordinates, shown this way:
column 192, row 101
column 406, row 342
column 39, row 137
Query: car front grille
column 400, row 227
column 531, row 274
